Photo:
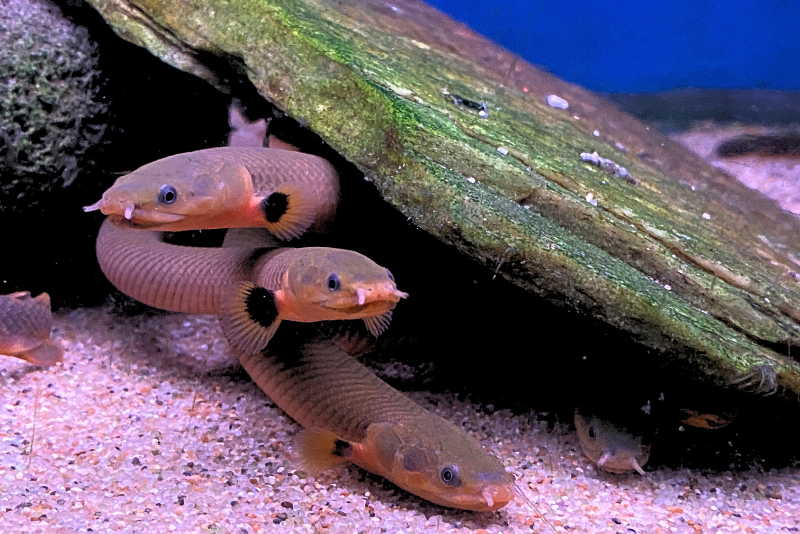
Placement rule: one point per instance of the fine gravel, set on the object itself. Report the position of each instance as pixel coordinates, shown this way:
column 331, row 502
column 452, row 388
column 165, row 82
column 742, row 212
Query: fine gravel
column 149, row 425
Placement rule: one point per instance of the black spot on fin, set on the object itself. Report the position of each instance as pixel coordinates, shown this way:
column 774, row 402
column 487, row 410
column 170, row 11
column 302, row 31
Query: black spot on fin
column 248, row 316
column 342, row 449
column 275, row 206
column 317, row 450
column 289, row 211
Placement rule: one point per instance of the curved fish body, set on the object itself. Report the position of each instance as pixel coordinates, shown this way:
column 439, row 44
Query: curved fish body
column 612, row 445
column 229, row 187
column 251, row 289
column 350, row 415
column 25, row 324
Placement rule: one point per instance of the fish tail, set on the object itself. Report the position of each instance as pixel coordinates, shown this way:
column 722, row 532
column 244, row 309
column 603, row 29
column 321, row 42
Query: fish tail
column 289, row 211
column 45, row 355
column 248, row 316
column 318, row 450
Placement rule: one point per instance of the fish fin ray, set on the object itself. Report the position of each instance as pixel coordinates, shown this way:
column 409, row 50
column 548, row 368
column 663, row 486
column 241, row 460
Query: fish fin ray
column 289, row 211
column 43, row 299
column 318, row 450
column 351, row 336
column 248, row 316
column 249, row 238
column 274, row 142
column 379, row 323
column 45, row 355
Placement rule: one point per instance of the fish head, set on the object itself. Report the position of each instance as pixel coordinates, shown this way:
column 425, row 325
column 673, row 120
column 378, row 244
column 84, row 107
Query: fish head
column 173, row 193
column 615, row 447
column 440, row 462
column 345, row 283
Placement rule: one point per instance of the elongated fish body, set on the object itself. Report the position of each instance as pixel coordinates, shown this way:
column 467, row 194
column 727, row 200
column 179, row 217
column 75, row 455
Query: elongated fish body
column 25, row 324
column 617, row 445
column 251, row 289
column 351, row 415
column 167, row 276
column 229, row 187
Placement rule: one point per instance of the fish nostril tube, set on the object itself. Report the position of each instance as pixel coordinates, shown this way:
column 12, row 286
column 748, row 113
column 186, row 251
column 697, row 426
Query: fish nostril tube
column 94, row 207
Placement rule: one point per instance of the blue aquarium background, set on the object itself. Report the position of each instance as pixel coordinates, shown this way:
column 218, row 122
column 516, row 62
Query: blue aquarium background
column 635, row 46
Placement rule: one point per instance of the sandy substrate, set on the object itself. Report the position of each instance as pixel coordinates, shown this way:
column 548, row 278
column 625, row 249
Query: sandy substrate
column 149, row 427
column 776, row 177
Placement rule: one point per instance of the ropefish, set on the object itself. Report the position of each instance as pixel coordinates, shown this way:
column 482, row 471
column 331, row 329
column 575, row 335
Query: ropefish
column 611, row 444
column 229, row 187
column 307, row 285
column 251, row 289
column 350, row 415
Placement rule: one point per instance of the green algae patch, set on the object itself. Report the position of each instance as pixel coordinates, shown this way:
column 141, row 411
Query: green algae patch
column 458, row 135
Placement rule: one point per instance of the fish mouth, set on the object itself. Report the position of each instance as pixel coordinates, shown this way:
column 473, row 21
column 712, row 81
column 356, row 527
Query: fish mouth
column 351, row 308
column 620, row 463
column 144, row 220
column 365, row 298
column 490, row 498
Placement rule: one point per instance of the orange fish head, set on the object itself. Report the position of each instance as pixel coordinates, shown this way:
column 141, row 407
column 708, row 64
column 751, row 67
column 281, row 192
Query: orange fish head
column 344, row 282
column 613, row 447
column 173, row 193
column 440, row 462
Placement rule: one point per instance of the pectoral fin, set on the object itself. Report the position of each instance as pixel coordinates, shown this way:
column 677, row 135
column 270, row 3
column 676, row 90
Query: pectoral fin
column 44, row 355
column 377, row 324
column 249, row 238
column 289, row 211
column 248, row 316
column 318, row 450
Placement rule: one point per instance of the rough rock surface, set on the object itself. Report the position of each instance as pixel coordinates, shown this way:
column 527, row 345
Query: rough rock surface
column 476, row 147
column 49, row 111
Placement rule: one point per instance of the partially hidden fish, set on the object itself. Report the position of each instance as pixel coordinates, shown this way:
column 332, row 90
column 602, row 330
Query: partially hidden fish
column 25, row 324
column 350, row 415
column 307, row 285
column 245, row 132
column 614, row 445
column 251, row 289
column 229, row 187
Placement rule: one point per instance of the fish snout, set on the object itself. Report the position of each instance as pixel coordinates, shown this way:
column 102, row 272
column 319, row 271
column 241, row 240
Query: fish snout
column 391, row 292
column 498, row 495
column 94, row 207
column 620, row 462
column 487, row 498
column 377, row 293
column 112, row 206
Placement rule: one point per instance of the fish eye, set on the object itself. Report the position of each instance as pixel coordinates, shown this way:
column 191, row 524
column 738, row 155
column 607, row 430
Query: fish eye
column 390, row 275
column 333, row 282
column 167, row 194
column 449, row 475
column 592, row 433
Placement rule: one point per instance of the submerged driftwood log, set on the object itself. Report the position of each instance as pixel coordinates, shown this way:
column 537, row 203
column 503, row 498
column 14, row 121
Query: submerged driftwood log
column 457, row 134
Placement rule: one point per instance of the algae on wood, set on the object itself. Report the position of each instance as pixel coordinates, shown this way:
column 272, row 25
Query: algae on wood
column 686, row 260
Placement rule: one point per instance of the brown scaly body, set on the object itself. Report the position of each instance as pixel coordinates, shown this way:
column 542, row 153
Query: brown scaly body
column 352, row 415
column 25, row 328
